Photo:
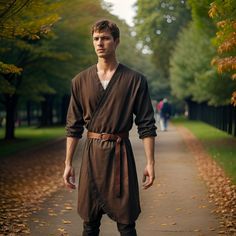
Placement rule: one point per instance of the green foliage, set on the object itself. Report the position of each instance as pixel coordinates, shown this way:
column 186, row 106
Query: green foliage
column 27, row 18
column 224, row 13
column 186, row 55
column 223, row 9
column 157, row 24
column 9, row 69
column 192, row 76
column 23, row 24
column 130, row 55
column 199, row 10
column 190, row 61
column 64, row 53
column 219, row 88
column 72, row 35
column 6, row 87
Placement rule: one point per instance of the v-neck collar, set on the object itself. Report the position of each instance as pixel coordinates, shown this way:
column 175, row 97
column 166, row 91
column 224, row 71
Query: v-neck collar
column 112, row 78
column 104, row 94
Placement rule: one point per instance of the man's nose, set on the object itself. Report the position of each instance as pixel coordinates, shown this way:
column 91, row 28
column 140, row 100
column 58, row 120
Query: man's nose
column 100, row 41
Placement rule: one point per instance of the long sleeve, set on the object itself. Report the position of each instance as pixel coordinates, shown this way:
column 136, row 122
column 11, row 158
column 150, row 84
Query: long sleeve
column 74, row 121
column 143, row 111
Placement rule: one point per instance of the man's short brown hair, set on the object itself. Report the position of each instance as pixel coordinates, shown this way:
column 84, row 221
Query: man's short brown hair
column 106, row 25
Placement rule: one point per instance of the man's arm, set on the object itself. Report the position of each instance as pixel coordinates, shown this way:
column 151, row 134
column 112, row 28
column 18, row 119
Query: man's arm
column 149, row 172
column 69, row 172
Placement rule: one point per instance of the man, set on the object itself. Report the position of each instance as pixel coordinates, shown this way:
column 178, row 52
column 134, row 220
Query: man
column 103, row 99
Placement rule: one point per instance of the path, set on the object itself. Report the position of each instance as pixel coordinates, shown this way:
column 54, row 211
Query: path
column 176, row 205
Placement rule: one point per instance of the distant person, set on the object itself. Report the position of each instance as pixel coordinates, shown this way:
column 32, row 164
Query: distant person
column 165, row 114
column 158, row 111
column 104, row 99
column 159, row 106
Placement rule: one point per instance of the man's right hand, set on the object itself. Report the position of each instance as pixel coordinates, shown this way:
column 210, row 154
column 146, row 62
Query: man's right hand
column 69, row 177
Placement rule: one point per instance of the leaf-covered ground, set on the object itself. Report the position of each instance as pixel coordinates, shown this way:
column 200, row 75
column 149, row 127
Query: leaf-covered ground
column 221, row 189
column 26, row 180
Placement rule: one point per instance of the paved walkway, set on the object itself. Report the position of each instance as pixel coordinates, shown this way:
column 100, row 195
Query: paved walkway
column 176, row 205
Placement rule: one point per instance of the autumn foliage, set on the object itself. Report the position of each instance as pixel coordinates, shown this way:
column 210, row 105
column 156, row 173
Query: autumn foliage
column 224, row 14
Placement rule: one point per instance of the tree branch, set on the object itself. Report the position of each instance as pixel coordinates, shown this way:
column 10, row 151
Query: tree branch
column 7, row 9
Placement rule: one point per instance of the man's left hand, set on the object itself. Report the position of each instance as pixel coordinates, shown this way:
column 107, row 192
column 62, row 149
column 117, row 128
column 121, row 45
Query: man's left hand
column 148, row 176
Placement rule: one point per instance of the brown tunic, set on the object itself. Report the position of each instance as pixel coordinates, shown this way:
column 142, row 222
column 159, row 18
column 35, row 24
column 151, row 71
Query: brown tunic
column 109, row 111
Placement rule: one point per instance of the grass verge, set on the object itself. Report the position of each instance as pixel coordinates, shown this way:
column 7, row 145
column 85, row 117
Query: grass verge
column 220, row 145
column 28, row 137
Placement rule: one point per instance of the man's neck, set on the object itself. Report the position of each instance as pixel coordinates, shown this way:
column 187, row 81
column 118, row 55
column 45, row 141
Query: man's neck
column 104, row 65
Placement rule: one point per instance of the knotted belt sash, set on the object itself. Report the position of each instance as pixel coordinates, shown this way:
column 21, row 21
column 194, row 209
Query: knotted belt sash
column 117, row 138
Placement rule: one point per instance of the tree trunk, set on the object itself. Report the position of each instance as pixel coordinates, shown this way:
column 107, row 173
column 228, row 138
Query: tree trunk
column 191, row 110
column 11, row 104
column 47, row 111
column 28, row 108
column 64, row 107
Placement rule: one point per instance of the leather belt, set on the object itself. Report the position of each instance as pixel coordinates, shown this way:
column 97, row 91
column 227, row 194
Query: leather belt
column 118, row 139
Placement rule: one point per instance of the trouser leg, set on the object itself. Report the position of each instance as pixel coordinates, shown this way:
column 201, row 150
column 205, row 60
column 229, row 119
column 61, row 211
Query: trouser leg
column 127, row 229
column 162, row 124
column 91, row 228
column 165, row 123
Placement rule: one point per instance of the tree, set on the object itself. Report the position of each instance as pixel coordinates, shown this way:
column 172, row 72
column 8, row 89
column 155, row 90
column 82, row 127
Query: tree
column 192, row 77
column 190, row 60
column 224, row 14
column 20, row 35
column 199, row 12
column 157, row 24
column 8, row 10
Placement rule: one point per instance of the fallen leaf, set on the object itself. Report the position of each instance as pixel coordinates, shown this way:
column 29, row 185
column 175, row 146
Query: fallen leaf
column 178, row 209
column 66, row 221
column 61, row 230
column 68, row 208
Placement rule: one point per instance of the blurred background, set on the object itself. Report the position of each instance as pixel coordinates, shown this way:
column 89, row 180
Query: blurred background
column 186, row 49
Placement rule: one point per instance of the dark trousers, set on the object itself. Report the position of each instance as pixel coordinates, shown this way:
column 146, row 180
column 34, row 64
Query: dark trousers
column 92, row 228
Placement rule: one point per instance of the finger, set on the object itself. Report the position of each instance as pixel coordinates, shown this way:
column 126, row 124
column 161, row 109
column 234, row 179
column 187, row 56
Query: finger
column 68, row 183
column 71, row 186
column 147, row 179
column 148, row 183
column 72, row 179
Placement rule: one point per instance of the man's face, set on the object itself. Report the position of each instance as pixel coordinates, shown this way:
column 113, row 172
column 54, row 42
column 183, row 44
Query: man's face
column 104, row 44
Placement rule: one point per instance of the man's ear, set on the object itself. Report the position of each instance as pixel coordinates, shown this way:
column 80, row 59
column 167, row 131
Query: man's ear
column 117, row 41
